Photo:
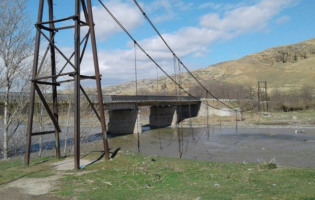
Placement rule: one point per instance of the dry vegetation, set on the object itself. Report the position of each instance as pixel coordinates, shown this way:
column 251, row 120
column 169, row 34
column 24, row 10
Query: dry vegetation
column 287, row 70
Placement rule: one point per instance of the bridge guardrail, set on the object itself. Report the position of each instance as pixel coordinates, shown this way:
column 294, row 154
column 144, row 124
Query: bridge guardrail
column 15, row 96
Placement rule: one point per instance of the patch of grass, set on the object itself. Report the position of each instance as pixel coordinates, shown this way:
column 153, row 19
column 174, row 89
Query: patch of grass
column 268, row 165
column 7, row 170
column 137, row 177
column 11, row 170
column 133, row 176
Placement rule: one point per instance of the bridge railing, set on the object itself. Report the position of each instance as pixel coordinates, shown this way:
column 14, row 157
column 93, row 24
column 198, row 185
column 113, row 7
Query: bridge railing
column 16, row 96
column 127, row 98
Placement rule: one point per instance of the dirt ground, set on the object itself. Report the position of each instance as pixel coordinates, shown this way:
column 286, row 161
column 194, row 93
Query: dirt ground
column 39, row 188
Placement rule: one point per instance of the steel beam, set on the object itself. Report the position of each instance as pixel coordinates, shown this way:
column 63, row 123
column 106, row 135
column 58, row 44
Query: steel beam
column 32, row 93
column 53, row 73
column 77, row 86
column 98, row 78
column 48, row 31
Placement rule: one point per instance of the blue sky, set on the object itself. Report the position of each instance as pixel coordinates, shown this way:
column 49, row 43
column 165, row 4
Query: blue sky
column 201, row 33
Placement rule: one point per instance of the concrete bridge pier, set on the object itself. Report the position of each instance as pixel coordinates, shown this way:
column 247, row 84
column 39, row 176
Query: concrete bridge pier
column 124, row 121
column 187, row 111
column 163, row 116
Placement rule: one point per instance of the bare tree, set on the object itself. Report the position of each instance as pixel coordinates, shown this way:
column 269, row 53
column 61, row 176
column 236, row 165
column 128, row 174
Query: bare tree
column 15, row 49
column 307, row 96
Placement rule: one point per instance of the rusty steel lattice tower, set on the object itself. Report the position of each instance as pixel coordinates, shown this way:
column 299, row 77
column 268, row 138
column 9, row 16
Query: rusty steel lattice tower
column 48, row 30
column 263, row 102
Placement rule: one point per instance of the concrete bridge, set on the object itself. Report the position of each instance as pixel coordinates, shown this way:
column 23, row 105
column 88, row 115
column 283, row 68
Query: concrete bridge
column 124, row 112
column 125, row 115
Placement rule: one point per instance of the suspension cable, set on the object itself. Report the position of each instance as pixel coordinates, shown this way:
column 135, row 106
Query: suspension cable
column 144, row 14
column 139, row 46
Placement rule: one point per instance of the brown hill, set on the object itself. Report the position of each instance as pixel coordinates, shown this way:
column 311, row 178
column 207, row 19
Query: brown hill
column 285, row 68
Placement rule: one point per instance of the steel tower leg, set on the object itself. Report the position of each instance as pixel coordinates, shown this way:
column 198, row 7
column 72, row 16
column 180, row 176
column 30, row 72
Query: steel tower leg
column 77, row 86
column 98, row 79
column 32, row 94
column 51, row 27
column 53, row 73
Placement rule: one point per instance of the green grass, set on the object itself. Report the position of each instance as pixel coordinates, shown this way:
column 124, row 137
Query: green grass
column 11, row 170
column 131, row 176
column 138, row 177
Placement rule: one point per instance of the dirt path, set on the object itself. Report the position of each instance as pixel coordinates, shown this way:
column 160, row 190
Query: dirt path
column 40, row 188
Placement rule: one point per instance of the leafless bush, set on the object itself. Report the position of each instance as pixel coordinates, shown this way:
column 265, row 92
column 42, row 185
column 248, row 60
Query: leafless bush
column 292, row 100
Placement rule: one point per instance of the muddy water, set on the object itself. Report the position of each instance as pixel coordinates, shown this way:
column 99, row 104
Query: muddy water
column 248, row 145
column 283, row 145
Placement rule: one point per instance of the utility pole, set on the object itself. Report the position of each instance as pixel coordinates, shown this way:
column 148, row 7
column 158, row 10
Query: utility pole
column 263, row 102
column 48, row 30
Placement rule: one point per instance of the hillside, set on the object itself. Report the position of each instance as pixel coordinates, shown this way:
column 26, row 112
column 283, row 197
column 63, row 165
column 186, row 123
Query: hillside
column 284, row 68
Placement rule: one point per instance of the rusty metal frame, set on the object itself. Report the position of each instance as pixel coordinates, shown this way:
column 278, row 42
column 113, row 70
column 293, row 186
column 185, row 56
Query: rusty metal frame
column 77, row 56
column 262, row 96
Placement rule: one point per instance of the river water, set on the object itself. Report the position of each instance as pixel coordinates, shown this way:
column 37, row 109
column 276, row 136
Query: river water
column 282, row 145
column 250, row 145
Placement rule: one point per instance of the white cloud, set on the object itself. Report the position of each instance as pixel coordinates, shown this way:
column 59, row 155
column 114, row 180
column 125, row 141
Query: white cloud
column 119, row 66
column 163, row 18
column 182, row 6
column 128, row 15
column 246, row 18
column 221, row 6
column 166, row 5
column 210, row 5
column 282, row 20
column 165, row 10
column 184, row 42
column 196, row 40
column 213, row 26
column 229, row 22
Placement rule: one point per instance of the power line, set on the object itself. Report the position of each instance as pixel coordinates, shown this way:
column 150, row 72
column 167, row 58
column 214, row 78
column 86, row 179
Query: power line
column 144, row 14
column 140, row 47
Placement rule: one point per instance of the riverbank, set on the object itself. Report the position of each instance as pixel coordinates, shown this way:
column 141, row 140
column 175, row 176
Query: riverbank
column 296, row 119
column 135, row 176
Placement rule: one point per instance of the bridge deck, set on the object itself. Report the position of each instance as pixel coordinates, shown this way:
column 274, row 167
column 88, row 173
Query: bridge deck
column 141, row 100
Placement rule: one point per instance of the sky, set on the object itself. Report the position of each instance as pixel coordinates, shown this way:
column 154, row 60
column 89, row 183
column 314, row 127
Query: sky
column 201, row 33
